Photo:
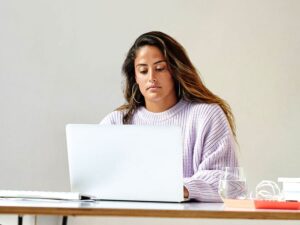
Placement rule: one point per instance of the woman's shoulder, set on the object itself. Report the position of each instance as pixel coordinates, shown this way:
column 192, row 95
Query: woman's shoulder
column 210, row 116
column 115, row 117
column 205, row 109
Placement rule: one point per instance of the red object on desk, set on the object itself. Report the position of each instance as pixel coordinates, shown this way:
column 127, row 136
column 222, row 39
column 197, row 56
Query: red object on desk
column 269, row 204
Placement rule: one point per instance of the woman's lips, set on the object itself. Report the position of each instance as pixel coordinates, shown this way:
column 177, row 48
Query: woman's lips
column 153, row 87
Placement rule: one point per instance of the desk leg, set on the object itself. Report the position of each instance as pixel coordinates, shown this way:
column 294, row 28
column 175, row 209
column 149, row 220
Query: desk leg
column 65, row 220
column 20, row 220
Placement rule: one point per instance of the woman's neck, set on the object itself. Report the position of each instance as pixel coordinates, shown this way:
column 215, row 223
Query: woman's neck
column 160, row 106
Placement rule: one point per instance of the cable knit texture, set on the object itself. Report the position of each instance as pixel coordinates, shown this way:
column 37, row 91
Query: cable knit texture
column 208, row 143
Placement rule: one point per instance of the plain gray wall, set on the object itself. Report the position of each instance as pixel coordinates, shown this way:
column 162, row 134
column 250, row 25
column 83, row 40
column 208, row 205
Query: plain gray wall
column 60, row 63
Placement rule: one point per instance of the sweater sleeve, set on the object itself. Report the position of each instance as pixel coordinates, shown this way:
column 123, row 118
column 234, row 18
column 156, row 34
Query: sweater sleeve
column 214, row 149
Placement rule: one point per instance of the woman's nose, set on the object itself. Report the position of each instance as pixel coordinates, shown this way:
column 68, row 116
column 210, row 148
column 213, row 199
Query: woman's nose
column 152, row 76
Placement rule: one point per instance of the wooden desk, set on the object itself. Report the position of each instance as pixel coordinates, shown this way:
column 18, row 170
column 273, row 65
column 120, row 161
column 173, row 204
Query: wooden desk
column 141, row 209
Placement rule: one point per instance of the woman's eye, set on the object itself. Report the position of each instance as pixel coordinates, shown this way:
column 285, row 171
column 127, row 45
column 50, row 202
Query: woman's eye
column 143, row 71
column 160, row 69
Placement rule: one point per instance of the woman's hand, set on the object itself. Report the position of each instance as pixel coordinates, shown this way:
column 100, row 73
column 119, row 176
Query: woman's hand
column 185, row 192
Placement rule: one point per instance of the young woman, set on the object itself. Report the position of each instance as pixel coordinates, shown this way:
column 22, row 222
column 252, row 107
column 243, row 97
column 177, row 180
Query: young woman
column 162, row 87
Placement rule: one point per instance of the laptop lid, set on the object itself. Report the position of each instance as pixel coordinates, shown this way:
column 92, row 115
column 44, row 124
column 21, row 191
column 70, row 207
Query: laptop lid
column 126, row 162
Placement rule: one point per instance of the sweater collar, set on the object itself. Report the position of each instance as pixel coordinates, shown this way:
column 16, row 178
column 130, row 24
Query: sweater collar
column 145, row 114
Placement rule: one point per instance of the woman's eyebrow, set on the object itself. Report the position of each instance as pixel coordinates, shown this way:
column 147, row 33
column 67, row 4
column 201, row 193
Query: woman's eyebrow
column 143, row 64
column 159, row 61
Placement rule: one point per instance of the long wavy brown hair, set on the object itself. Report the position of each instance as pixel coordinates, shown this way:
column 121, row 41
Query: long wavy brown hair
column 188, row 83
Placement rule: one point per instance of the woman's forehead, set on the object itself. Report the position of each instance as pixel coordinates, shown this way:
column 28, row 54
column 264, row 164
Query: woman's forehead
column 148, row 54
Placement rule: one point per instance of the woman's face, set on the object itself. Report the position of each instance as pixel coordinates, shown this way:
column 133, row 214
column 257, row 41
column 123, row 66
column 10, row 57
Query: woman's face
column 154, row 79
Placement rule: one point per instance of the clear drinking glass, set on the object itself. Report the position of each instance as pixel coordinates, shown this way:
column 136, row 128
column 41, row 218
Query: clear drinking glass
column 232, row 185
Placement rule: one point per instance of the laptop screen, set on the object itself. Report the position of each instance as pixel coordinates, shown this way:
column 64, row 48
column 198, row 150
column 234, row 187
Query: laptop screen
column 126, row 162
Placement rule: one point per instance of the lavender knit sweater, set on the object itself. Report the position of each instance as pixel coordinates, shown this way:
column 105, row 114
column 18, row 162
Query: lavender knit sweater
column 208, row 143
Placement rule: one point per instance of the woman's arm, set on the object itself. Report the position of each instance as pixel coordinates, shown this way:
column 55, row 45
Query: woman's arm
column 214, row 148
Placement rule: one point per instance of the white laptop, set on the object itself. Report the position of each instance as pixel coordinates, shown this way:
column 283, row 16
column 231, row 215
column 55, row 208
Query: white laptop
column 126, row 162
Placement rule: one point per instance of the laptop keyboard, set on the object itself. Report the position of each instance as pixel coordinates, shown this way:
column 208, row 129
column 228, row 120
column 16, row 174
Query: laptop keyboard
column 41, row 195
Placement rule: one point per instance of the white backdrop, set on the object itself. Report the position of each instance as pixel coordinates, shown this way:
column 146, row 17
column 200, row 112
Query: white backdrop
column 60, row 63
